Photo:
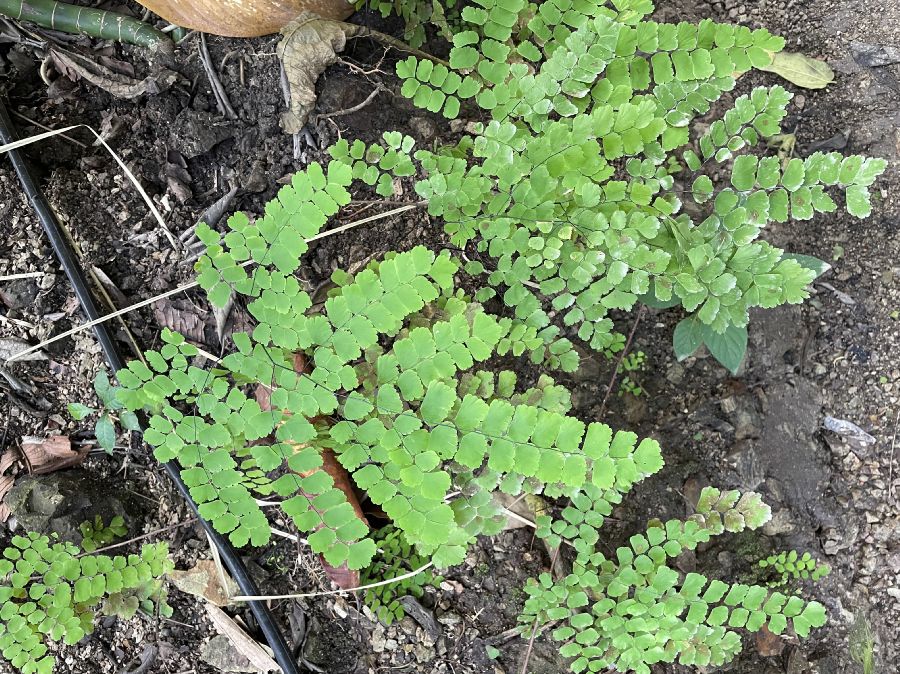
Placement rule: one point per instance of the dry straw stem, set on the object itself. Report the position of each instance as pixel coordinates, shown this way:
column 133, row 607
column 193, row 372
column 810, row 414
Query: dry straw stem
column 264, row 597
column 187, row 286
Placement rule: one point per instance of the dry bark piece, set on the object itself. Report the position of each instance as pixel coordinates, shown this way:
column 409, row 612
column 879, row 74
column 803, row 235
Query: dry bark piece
column 243, row 18
column 768, row 644
column 242, row 642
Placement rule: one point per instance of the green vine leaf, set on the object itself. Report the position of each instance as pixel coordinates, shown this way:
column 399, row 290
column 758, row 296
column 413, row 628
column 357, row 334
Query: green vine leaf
column 105, row 433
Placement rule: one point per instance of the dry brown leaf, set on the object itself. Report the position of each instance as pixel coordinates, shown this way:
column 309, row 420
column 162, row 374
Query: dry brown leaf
column 10, row 346
column 523, row 511
column 243, row 18
column 203, row 580
column 6, row 483
column 182, row 317
column 244, row 644
column 769, row 644
column 46, row 455
column 74, row 66
column 7, row 460
column 310, row 44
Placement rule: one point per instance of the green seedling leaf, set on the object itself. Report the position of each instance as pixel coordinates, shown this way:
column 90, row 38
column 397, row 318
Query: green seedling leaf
column 105, row 433
column 729, row 347
column 809, row 262
column 79, row 411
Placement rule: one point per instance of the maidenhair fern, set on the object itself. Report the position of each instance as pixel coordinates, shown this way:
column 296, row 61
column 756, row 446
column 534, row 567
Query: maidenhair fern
column 564, row 199
column 396, row 383
column 52, row 590
column 386, row 356
column 633, row 610
column 567, row 189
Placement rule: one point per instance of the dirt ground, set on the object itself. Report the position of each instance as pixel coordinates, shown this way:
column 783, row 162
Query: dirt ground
column 837, row 355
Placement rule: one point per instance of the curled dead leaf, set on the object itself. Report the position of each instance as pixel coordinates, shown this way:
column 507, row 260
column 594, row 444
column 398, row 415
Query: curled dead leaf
column 243, row 18
column 46, row 455
column 75, row 66
column 310, row 44
column 203, row 580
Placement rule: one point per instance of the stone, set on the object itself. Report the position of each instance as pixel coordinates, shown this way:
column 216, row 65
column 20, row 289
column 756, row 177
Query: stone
column 221, row 654
column 19, row 293
column 874, row 55
column 60, row 502
column 422, row 128
column 781, row 523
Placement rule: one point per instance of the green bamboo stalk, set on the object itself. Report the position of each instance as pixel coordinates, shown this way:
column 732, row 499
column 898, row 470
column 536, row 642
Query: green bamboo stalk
column 85, row 20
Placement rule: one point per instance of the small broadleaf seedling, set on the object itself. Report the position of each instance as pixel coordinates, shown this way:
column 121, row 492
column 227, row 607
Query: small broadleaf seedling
column 110, row 412
column 96, row 534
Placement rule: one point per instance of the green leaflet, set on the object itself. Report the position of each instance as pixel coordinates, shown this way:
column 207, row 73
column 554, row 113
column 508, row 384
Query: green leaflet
column 791, row 565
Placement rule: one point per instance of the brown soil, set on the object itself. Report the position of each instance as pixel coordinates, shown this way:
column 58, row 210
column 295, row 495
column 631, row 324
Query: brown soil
column 837, row 355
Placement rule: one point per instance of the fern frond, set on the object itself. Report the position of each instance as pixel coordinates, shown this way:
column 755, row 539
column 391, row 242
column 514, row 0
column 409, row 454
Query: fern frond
column 633, row 611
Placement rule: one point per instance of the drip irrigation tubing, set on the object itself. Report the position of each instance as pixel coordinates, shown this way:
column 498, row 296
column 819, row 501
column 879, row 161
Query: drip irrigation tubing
column 77, row 278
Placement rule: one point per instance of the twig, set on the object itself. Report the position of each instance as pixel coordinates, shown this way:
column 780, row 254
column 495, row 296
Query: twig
column 365, row 31
column 265, row 597
column 47, row 128
column 27, row 274
column 612, row 380
column 346, row 111
column 222, row 101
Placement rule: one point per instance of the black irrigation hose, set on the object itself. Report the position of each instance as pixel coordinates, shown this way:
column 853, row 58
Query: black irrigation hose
column 79, row 283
